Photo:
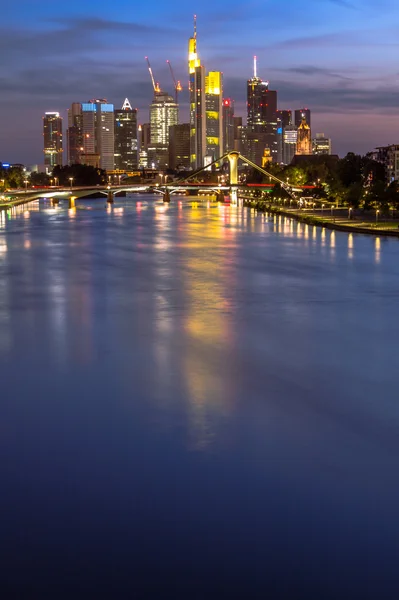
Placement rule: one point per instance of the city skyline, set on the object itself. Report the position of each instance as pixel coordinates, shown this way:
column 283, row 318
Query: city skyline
column 323, row 57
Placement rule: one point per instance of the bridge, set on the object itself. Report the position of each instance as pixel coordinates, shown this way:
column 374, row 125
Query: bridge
column 184, row 184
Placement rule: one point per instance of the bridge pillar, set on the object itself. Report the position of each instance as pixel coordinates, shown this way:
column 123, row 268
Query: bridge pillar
column 110, row 197
column 233, row 160
column 72, row 202
column 166, row 197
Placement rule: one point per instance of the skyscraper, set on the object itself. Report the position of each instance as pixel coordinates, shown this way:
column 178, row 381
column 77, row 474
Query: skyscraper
column 163, row 114
column 75, row 133
column 214, row 115
column 179, row 146
column 228, row 125
column 52, row 139
column 98, row 134
column 261, row 118
column 290, row 138
column 126, row 149
column 287, row 136
column 197, row 103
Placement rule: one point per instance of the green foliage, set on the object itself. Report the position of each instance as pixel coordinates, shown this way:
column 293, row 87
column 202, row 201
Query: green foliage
column 13, row 177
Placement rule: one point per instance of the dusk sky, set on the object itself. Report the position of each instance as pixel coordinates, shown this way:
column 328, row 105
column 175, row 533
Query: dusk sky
column 337, row 57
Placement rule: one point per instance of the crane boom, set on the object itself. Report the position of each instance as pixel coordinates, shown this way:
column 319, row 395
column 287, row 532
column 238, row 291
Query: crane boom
column 156, row 87
column 177, row 84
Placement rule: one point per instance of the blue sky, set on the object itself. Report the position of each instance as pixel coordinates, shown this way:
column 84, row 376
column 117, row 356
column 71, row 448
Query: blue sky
column 338, row 57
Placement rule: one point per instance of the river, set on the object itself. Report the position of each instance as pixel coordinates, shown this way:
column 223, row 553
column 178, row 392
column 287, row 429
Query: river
column 197, row 401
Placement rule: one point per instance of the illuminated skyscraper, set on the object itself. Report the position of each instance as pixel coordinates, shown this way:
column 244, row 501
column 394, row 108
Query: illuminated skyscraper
column 197, row 103
column 290, row 138
column 163, row 114
column 98, row 134
column 206, row 109
column 126, row 153
column 287, row 136
column 52, row 138
column 214, row 115
column 228, row 125
column 261, row 118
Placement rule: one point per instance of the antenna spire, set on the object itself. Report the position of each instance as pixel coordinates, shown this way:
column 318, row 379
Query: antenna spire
column 255, row 67
column 195, row 27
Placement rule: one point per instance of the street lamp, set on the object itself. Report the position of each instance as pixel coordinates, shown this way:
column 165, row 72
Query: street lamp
column 26, row 185
column 377, row 212
column 350, row 212
column 332, row 211
column 55, row 181
column 71, row 180
column 322, row 209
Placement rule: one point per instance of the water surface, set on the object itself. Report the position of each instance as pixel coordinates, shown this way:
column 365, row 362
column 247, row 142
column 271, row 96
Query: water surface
column 196, row 402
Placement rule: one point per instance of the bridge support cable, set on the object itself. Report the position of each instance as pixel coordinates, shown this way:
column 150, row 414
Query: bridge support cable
column 200, row 170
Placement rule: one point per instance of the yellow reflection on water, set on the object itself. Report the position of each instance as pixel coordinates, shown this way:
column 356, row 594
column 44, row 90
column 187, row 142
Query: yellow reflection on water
column 206, row 324
column 350, row 245
column 377, row 250
column 323, row 236
column 332, row 243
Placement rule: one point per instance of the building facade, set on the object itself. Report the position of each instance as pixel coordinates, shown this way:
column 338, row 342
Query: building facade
column 179, row 147
column 290, row 138
column 321, row 144
column 163, row 115
column 125, row 135
column 96, row 124
column 304, row 139
column 214, row 115
column 75, row 134
column 52, row 140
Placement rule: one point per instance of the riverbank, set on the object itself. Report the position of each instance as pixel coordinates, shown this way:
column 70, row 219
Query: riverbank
column 13, row 203
column 339, row 223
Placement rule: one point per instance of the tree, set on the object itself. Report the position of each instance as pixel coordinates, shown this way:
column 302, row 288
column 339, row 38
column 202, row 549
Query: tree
column 39, row 179
column 81, row 175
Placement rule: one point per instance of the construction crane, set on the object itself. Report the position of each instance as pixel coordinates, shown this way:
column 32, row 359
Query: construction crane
column 177, row 84
column 156, row 86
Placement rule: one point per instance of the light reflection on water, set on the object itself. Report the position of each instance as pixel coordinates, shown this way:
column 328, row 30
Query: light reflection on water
column 203, row 376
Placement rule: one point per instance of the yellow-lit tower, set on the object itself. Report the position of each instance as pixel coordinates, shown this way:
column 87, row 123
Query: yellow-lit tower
column 197, row 103
column 214, row 115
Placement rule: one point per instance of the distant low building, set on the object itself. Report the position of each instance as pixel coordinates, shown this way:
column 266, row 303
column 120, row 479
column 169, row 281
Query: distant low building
column 321, row 144
column 389, row 157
